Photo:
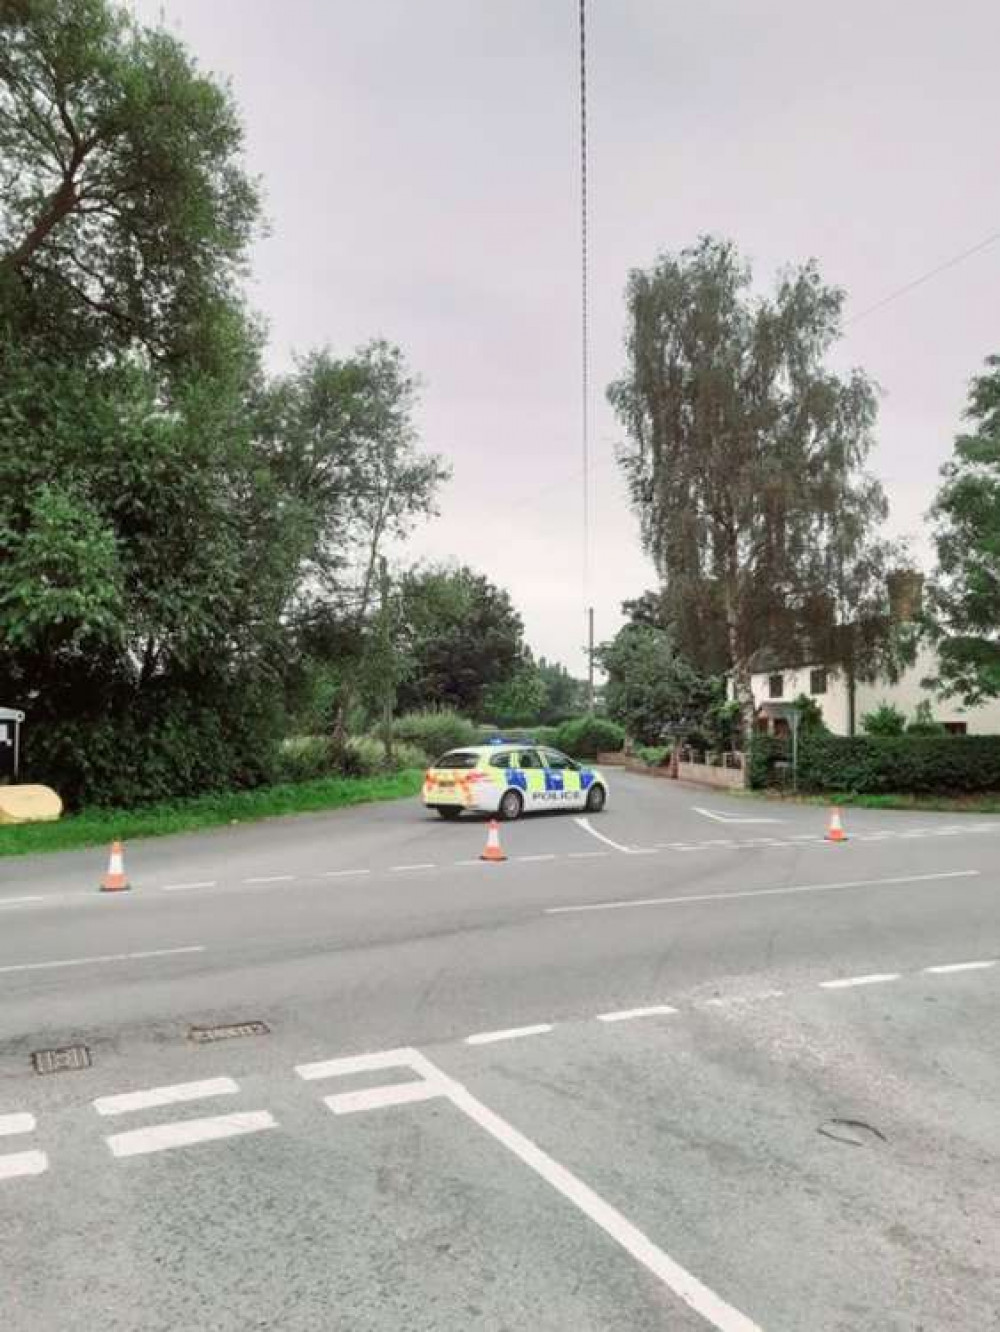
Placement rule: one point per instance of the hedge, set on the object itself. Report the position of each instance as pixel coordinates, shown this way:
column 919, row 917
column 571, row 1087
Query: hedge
column 586, row 737
column 871, row 765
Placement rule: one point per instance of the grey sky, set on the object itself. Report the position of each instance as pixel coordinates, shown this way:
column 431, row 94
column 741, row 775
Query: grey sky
column 420, row 164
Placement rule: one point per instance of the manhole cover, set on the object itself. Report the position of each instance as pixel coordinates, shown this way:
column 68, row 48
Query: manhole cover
column 204, row 1035
column 853, row 1132
column 67, row 1060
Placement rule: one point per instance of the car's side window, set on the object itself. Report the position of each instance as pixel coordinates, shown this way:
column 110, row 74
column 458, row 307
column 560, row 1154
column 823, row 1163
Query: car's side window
column 556, row 760
column 528, row 758
column 501, row 760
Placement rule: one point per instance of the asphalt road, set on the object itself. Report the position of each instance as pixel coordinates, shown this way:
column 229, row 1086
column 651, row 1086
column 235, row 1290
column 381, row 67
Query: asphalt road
column 684, row 1065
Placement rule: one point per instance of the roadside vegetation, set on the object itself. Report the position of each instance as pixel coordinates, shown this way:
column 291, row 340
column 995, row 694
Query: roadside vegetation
column 99, row 826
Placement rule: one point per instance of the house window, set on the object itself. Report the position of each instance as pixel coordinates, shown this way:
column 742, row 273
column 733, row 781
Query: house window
column 955, row 728
column 775, row 686
column 817, row 681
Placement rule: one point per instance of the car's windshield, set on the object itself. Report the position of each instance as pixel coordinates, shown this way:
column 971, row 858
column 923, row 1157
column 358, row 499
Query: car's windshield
column 458, row 758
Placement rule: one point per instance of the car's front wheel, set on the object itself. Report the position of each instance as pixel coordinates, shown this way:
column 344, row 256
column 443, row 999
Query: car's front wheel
column 511, row 805
column 596, row 799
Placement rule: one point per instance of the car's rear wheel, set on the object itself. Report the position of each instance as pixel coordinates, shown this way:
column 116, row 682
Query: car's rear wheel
column 596, row 799
column 448, row 811
column 511, row 805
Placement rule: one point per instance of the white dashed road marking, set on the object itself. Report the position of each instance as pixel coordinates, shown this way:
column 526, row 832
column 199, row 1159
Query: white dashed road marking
column 627, row 1014
column 107, row 957
column 848, row 982
column 343, row 874
column 23, row 1163
column 271, row 878
column 949, row 967
column 378, row 1098
column 510, row 1034
column 187, row 1132
column 396, row 869
column 732, row 818
column 187, row 887
column 129, row 1102
column 525, row 859
column 19, row 901
column 760, row 892
column 17, row 1123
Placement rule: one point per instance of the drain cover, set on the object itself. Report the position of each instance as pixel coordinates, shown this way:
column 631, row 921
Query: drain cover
column 204, row 1035
column 66, row 1060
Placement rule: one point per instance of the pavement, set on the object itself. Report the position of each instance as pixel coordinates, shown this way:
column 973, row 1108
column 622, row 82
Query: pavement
column 682, row 1065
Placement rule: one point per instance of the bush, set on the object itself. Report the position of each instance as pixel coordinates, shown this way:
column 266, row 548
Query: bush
column 364, row 756
column 923, row 721
column 885, row 720
column 534, row 735
column 767, row 752
column 303, row 758
column 586, row 737
column 654, row 755
column 433, row 731
column 910, row 764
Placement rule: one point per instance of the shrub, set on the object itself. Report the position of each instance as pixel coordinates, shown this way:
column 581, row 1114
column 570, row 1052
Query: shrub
column 908, row 763
column 767, row 752
column 586, row 737
column 306, row 757
column 364, row 756
column 885, row 720
column 434, row 731
column 654, row 755
column 923, row 722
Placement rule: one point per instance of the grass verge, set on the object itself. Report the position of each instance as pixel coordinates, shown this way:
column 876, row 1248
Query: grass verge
column 91, row 827
column 984, row 802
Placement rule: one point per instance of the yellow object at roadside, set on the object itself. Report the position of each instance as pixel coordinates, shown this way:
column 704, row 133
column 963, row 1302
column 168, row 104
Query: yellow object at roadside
column 29, row 804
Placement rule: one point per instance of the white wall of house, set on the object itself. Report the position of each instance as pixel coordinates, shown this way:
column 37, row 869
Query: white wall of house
column 905, row 694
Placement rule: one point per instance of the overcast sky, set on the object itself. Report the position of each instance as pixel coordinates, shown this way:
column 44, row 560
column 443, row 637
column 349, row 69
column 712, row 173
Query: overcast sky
column 420, row 163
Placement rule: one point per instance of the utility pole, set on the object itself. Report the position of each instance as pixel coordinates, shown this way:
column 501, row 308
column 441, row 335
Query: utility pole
column 590, row 659
column 385, row 651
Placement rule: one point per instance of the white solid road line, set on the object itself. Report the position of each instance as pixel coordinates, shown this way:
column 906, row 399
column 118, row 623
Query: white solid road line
column 186, row 1132
column 627, row 1014
column 20, row 901
column 23, row 1163
column 511, row 1034
column 187, row 887
column 347, row 1065
column 760, row 892
column 378, row 1098
column 732, row 818
column 129, row 1102
column 107, row 957
column 720, row 1315
column 960, row 966
column 586, row 826
column 848, row 982
column 18, row 1123
column 271, row 878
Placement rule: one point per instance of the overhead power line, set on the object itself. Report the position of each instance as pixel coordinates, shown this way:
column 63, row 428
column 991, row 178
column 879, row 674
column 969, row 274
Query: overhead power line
column 924, row 277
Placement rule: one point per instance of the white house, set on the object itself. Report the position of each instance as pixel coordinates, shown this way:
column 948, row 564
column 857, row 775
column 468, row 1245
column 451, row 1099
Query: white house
column 772, row 683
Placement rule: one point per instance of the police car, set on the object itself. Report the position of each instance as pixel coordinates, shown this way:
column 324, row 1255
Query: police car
column 510, row 778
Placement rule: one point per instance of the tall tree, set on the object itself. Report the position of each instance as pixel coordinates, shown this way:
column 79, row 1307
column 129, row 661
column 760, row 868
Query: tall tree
column 125, row 210
column 652, row 690
column 464, row 637
column 745, row 458
column 339, row 434
column 965, row 596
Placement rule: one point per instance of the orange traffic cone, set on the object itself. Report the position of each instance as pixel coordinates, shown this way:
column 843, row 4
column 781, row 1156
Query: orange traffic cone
column 492, row 850
column 835, row 829
column 115, row 881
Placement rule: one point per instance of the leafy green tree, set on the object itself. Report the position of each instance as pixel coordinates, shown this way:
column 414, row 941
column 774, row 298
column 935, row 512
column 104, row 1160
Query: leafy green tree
column 463, row 636
column 518, row 701
column 965, row 597
column 652, row 689
column 745, row 462
column 565, row 696
column 886, row 719
column 125, row 211
column 923, row 722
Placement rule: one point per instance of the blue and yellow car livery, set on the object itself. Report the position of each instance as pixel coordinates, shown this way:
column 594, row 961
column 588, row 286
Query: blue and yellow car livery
column 511, row 778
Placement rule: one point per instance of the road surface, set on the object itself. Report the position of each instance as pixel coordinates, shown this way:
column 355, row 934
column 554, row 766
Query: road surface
column 683, row 1065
